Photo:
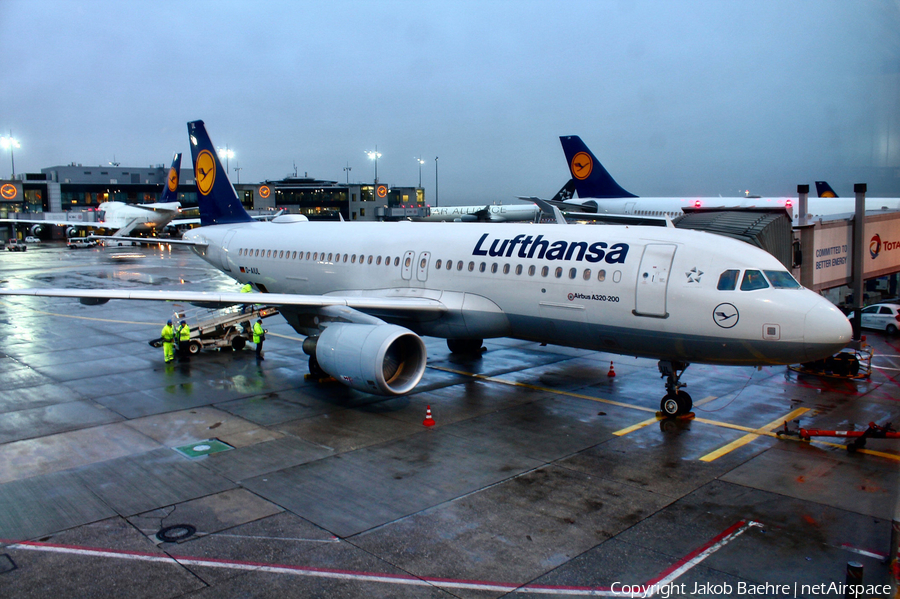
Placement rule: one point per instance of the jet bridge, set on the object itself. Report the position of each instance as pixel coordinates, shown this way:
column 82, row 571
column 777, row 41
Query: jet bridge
column 766, row 228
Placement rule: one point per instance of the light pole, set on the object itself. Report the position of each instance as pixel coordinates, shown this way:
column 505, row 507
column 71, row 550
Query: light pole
column 421, row 162
column 10, row 143
column 237, row 169
column 347, row 170
column 374, row 156
column 435, row 181
column 226, row 154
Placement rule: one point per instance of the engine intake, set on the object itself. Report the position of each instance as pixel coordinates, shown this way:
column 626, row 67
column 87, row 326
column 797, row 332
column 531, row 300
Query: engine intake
column 382, row 359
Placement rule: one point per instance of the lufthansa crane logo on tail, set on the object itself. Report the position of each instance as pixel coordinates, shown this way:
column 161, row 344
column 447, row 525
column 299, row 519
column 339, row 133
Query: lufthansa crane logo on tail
column 726, row 315
column 173, row 180
column 582, row 165
column 206, row 172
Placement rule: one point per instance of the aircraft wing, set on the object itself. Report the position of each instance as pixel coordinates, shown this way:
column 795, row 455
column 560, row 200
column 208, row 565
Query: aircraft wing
column 56, row 223
column 184, row 221
column 363, row 303
column 158, row 240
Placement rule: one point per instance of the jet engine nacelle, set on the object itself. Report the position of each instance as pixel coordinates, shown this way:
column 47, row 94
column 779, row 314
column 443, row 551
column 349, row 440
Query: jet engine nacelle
column 382, row 359
column 71, row 231
column 585, row 205
column 36, row 230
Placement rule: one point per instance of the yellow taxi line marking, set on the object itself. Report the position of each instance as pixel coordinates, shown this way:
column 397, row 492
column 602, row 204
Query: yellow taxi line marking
column 637, row 426
column 149, row 324
column 491, row 379
column 763, row 430
column 754, row 431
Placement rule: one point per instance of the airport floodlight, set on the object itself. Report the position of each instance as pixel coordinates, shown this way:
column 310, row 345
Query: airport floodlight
column 226, row 154
column 10, row 143
column 421, row 162
column 374, row 155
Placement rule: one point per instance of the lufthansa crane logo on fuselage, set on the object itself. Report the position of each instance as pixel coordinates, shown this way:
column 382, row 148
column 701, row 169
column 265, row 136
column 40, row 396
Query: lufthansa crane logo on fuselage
column 726, row 315
column 582, row 165
column 205, row 172
column 8, row 191
column 173, row 180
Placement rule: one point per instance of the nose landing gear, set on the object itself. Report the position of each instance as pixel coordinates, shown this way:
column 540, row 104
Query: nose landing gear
column 676, row 402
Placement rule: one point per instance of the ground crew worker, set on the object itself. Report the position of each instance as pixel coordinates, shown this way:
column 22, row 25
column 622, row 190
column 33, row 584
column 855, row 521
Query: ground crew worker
column 259, row 335
column 168, row 337
column 184, row 341
column 247, row 288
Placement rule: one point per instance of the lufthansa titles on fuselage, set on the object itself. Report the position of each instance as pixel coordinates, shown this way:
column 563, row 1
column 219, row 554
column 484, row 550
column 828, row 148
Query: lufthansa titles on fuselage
column 544, row 249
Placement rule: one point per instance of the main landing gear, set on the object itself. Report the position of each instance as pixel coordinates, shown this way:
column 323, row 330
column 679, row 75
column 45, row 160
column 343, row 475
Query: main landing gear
column 676, row 402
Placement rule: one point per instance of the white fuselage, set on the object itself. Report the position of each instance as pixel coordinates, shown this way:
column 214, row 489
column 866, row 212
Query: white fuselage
column 643, row 291
column 672, row 207
column 141, row 217
column 496, row 213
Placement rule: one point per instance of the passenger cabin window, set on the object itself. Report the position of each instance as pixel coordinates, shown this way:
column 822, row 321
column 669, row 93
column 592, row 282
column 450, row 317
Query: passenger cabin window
column 781, row 279
column 753, row 280
column 728, row 280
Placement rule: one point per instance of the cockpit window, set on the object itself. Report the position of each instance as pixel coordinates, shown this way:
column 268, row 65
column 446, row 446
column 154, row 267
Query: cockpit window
column 782, row 279
column 728, row 280
column 753, row 279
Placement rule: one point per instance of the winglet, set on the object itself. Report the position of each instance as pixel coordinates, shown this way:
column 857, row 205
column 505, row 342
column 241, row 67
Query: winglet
column 547, row 208
column 216, row 198
column 591, row 179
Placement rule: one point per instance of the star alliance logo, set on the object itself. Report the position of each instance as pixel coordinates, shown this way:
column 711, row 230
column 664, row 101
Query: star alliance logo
column 693, row 275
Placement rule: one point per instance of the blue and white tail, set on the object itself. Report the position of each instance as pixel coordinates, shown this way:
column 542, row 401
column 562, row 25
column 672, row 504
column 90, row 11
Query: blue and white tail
column 591, row 179
column 170, row 192
column 823, row 190
column 218, row 202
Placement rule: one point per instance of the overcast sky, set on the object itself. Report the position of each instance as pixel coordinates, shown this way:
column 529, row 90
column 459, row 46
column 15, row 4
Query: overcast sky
column 674, row 97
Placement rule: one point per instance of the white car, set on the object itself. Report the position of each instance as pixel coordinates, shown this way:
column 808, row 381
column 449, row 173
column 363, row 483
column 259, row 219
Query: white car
column 32, row 239
column 80, row 242
column 884, row 317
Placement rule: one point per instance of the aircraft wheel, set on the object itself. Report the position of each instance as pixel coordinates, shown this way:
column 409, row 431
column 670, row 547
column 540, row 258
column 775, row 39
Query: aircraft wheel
column 676, row 404
column 238, row 343
column 465, row 346
column 315, row 370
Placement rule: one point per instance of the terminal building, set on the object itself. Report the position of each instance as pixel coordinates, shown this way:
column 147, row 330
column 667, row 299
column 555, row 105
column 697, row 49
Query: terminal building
column 74, row 192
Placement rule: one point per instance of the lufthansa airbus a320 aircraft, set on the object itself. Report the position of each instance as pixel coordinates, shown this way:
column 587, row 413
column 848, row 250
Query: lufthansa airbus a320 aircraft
column 363, row 293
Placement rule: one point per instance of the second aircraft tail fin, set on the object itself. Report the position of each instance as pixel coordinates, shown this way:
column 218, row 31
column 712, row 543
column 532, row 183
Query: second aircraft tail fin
column 591, row 179
column 823, row 190
column 170, row 191
column 218, row 202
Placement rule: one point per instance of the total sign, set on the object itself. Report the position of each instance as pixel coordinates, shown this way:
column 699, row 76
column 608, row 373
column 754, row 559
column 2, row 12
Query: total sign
column 882, row 247
column 832, row 258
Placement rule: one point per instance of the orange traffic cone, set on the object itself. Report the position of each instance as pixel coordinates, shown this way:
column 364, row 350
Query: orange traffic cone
column 429, row 421
column 612, row 371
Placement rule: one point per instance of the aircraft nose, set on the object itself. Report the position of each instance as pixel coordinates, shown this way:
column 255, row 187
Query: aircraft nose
column 826, row 331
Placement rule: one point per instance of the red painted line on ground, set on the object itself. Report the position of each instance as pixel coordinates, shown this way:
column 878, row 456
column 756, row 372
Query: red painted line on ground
column 649, row 589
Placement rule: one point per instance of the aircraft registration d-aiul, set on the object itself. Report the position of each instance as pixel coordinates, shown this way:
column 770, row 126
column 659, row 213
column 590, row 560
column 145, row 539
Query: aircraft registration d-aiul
column 364, row 293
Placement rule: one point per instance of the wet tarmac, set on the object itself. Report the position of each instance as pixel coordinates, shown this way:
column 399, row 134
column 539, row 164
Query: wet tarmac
column 543, row 477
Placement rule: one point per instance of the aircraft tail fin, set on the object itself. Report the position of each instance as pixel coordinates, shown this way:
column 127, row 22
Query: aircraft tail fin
column 170, row 191
column 566, row 193
column 218, row 202
column 823, row 190
column 591, row 179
